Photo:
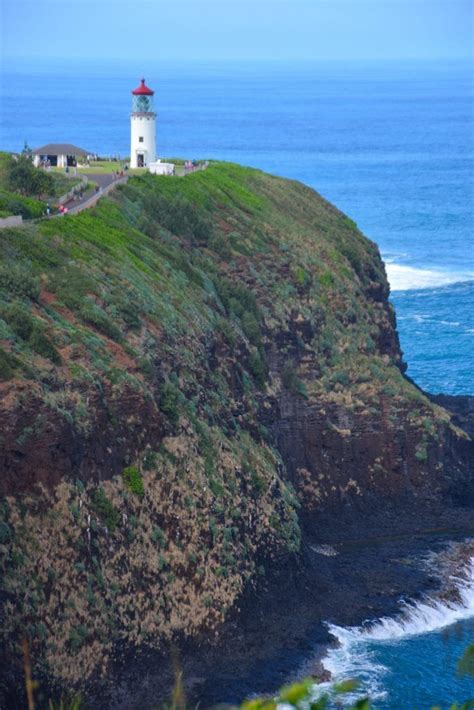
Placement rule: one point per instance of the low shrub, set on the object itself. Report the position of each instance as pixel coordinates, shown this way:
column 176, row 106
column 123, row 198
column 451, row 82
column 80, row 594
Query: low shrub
column 96, row 317
column 354, row 255
column 225, row 329
column 146, row 368
column 421, row 453
column 291, row 381
column 216, row 487
column 30, row 330
column 341, row 377
column 179, row 216
column 158, row 535
column 326, row 280
column 258, row 368
column 19, row 319
column 251, row 328
column 106, row 511
column 302, row 278
column 133, row 481
column 236, row 298
column 8, row 364
column 78, row 637
column 23, row 177
column 42, row 345
column 219, row 243
column 169, row 401
column 150, row 460
column 18, row 280
column 16, row 204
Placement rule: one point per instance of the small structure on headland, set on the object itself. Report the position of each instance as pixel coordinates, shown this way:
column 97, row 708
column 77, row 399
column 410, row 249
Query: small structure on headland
column 61, row 155
column 143, row 133
column 142, row 145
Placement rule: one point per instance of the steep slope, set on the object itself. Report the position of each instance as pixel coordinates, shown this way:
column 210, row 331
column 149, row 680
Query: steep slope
column 190, row 370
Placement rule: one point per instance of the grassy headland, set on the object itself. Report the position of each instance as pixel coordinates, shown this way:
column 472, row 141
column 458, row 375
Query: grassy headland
column 150, row 347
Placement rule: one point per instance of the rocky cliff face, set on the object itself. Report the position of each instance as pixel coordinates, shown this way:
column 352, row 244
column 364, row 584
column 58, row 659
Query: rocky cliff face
column 189, row 371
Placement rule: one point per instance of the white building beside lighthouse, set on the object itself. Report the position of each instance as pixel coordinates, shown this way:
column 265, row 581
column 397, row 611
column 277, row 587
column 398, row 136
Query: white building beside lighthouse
column 143, row 127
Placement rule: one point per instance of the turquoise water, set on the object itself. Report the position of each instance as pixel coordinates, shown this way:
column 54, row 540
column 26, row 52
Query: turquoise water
column 391, row 145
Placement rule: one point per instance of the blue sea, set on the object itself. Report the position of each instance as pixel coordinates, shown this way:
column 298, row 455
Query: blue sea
column 412, row 660
column 392, row 145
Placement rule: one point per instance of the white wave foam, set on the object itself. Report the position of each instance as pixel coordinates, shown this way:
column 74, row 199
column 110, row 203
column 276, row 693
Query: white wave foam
column 353, row 655
column 390, row 258
column 406, row 278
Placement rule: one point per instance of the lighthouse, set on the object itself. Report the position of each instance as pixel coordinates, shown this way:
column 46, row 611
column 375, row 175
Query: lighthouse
column 143, row 127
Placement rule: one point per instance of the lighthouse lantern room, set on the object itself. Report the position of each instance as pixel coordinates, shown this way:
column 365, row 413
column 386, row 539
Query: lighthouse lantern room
column 143, row 127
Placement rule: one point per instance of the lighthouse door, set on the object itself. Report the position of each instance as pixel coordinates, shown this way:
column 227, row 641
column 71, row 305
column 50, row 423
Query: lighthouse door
column 140, row 160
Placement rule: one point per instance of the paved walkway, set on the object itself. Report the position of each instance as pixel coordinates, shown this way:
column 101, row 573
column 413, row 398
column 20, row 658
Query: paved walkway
column 106, row 183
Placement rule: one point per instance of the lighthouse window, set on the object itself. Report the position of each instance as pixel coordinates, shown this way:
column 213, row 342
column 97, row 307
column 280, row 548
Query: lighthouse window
column 140, row 139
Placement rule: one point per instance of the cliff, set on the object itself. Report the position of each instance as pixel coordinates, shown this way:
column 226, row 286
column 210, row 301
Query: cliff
column 190, row 372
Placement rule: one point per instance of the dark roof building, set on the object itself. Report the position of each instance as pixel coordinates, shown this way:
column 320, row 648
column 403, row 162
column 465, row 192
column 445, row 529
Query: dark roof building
column 60, row 149
column 58, row 154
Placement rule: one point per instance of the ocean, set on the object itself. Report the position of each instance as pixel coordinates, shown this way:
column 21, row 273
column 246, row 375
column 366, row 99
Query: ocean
column 391, row 144
column 413, row 660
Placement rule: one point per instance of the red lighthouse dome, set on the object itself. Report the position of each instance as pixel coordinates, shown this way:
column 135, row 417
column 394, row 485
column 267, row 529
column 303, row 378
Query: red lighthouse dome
column 143, row 90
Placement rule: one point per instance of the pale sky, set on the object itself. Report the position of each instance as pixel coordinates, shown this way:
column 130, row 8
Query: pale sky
column 236, row 29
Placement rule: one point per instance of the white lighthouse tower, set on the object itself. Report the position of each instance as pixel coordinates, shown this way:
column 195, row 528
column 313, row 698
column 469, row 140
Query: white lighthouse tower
column 143, row 127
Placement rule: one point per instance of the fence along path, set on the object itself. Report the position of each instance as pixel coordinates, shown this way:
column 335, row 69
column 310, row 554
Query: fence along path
column 106, row 184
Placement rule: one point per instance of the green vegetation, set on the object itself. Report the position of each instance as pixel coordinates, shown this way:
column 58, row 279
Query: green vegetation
column 12, row 203
column 170, row 401
column 164, row 324
column 179, row 216
column 102, row 166
column 466, row 663
column 258, row 368
column 133, row 480
column 291, row 381
column 30, row 330
column 63, row 183
column 27, row 180
column 21, row 186
column 8, row 364
column 105, row 509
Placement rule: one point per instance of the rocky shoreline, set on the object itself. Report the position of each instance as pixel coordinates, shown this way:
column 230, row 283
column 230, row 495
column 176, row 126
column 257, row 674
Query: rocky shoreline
column 355, row 569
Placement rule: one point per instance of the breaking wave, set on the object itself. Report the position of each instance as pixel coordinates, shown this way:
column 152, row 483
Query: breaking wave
column 406, row 278
column 353, row 655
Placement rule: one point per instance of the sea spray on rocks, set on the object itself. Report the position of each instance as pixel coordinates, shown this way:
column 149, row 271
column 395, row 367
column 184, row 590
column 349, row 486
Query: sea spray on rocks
column 359, row 649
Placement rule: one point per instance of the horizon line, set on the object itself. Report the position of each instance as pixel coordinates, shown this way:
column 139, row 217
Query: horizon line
column 280, row 60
